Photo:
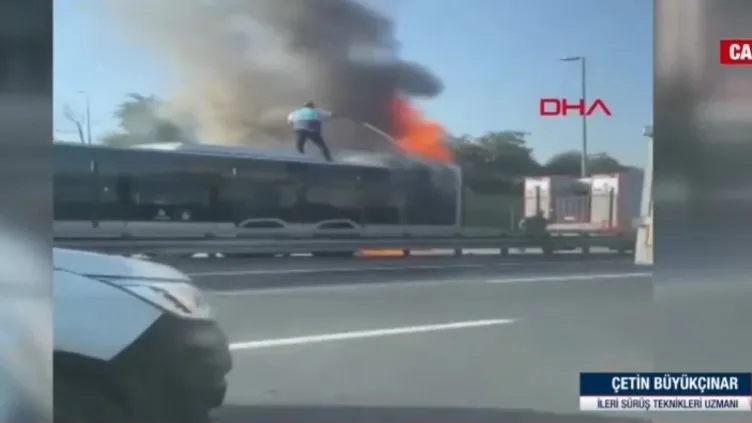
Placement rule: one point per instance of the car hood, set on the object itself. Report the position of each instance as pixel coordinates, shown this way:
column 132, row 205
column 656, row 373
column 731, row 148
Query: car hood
column 112, row 266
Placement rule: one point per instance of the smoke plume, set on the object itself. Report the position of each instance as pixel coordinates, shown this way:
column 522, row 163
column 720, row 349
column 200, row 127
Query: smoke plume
column 240, row 66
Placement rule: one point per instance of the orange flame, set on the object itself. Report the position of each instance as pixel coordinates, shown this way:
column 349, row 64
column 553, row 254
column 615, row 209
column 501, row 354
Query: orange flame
column 418, row 135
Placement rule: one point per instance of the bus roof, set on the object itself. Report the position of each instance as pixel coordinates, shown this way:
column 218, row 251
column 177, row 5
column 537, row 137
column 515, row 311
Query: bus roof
column 342, row 158
column 346, row 158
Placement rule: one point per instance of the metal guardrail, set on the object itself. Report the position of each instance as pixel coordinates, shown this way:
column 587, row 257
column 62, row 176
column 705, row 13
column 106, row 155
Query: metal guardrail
column 329, row 245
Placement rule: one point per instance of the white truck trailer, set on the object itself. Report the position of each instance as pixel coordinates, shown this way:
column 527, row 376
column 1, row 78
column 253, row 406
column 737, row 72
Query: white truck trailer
column 599, row 203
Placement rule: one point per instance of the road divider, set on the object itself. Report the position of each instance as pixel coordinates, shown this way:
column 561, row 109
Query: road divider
column 370, row 269
column 342, row 246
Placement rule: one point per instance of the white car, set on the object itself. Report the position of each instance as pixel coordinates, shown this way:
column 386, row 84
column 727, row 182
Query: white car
column 134, row 341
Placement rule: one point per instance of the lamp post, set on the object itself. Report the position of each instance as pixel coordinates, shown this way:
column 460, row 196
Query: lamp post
column 87, row 100
column 583, row 72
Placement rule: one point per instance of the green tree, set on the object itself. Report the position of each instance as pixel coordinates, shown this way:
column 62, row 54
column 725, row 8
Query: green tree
column 499, row 153
column 568, row 163
column 139, row 122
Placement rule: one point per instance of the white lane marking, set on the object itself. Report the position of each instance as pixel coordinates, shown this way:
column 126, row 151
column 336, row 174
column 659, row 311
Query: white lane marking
column 414, row 283
column 250, row 272
column 571, row 278
column 336, row 287
column 374, row 333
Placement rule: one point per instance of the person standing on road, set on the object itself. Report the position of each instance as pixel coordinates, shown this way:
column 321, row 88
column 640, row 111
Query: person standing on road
column 307, row 123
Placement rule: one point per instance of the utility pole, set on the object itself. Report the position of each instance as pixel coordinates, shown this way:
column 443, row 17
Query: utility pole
column 87, row 105
column 583, row 76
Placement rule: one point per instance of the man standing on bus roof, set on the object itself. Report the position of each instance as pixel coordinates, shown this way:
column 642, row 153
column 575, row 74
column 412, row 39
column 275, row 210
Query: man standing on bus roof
column 307, row 123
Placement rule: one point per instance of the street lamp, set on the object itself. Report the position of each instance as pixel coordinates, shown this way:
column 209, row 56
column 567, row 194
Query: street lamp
column 88, row 115
column 583, row 160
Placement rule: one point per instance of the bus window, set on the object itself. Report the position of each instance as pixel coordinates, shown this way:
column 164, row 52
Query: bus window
column 113, row 205
column 74, row 184
column 331, row 192
column 258, row 189
column 382, row 197
column 430, row 203
column 163, row 186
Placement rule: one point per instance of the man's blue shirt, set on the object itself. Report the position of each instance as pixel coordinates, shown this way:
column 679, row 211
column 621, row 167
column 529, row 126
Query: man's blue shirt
column 308, row 118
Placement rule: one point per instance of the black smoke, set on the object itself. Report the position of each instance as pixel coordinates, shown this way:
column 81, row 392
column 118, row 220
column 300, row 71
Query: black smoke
column 240, row 66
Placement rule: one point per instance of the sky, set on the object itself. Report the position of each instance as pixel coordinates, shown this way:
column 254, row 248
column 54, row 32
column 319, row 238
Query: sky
column 496, row 58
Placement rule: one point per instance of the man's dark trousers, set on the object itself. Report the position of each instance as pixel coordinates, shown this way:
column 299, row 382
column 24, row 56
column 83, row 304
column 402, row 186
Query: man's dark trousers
column 316, row 138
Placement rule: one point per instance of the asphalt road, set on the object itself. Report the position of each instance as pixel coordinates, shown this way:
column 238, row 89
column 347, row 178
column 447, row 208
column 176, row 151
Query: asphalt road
column 428, row 339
